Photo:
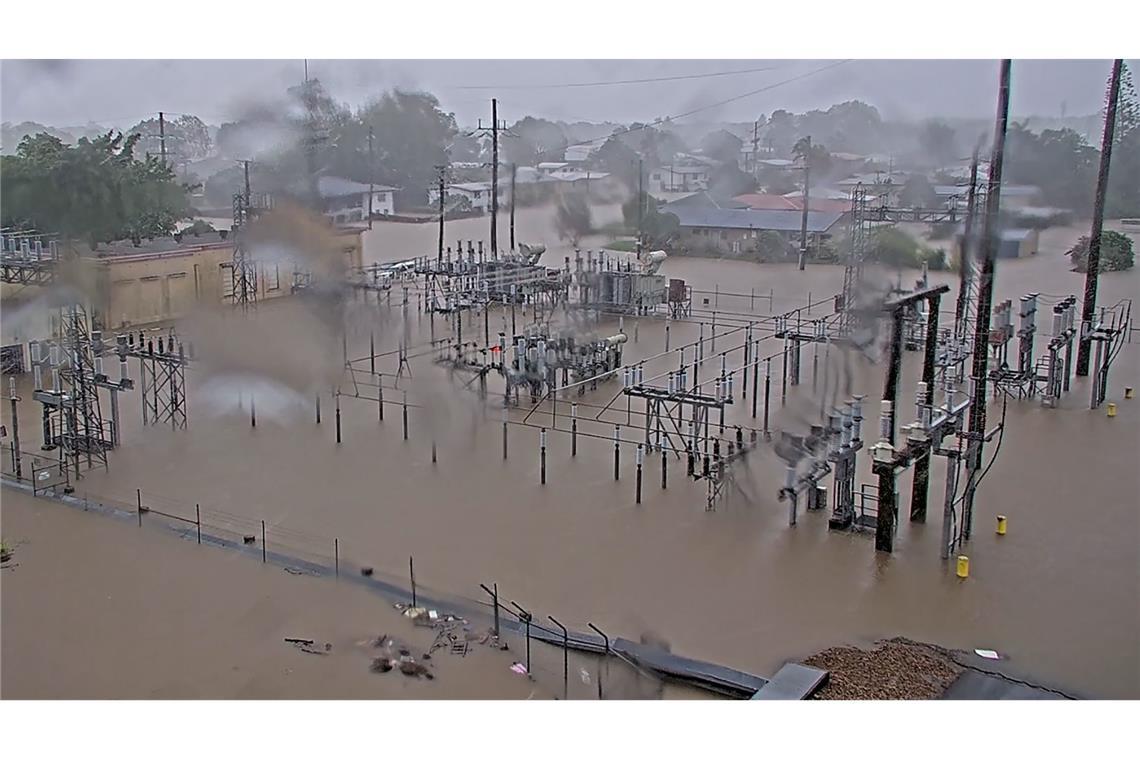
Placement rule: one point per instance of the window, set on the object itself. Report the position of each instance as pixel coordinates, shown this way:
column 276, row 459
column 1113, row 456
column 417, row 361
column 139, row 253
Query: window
column 273, row 278
column 723, row 235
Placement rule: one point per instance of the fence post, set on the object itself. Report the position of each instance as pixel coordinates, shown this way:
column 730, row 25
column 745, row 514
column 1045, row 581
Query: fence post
column 138, row 496
column 405, row 415
column 617, row 452
column 640, row 459
column 525, row 617
column 263, row 541
column 336, row 556
column 542, row 455
column 412, row 574
column 198, row 521
column 606, row 639
column 565, row 657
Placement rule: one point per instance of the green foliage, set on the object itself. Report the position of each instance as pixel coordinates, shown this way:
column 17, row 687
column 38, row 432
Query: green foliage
column 1123, row 197
column 535, row 141
column 618, row 159
column 658, row 229
column 770, row 247
column 95, row 190
column 728, row 180
column 187, row 138
column 572, row 220
column 722, row 146
column 815, row 155
column 199, row 227
column 1116, row 253
column 893, row 248
column 918, row 193
column 942, row 231
column 938, row 141
column 1058, row 161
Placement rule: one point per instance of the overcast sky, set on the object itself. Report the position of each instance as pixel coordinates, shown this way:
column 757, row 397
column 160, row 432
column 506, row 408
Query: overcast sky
column 73, row 92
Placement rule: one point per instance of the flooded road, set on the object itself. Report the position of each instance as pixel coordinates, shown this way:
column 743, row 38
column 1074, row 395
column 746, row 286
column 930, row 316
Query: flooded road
column 1057, row 596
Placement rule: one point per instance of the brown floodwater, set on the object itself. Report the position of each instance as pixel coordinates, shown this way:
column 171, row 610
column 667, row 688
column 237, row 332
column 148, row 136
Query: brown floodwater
column 1057, row 596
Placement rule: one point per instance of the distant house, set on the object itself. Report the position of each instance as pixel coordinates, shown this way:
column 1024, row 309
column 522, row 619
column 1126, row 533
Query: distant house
column 344, row 200
column 1013, row 243
column 580, row 153
column 731, row 229
column 476, row 194
column 678, row 179
column 548, row 167
column 793, row 201
column 1012, row 196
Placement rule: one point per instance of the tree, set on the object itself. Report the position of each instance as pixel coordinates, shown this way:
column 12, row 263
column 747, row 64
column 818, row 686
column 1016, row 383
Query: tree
column 657, row 229
column 535, row 141
column 728, row 181
column 780, row 133
column 618, row 159
column 1123, row 198
column 572, row 217
column 1116, row 253
column 187, row 138
column 722, row 146
column 894, row 248
column 938, row 140
column 411, row 138
column 814, row 155
column 771, row 247
column 95, row 190
column 918, row 193
column 1058, row 161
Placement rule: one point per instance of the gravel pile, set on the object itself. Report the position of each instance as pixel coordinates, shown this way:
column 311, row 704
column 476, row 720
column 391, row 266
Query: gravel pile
column 894, row 669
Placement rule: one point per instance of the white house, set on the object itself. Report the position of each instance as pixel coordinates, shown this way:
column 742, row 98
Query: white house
column 678, row 179
column 478, row 194
column 345, row 200
column 581, row 152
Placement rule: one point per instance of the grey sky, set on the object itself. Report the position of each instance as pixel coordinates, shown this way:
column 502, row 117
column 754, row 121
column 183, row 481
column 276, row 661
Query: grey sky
column 120, row 92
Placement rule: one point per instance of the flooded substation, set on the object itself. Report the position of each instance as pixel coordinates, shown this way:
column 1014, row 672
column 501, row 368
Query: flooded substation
column 694, row 451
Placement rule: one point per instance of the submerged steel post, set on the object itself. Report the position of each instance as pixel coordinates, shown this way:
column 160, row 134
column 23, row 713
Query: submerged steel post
column 405, row 411
column 640, row 457
column 504, row 433
column 565, row 657
column 318, row 408
column 921, row 485
column 336, row 556
column 573, row 430
column 337, row 399
column 412, row 576
column 525, row 617
column 263, row 541
column 617, row 452
column 198, row 521
column 542, row 455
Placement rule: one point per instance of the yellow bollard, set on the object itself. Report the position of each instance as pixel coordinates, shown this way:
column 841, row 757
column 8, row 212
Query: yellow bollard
column 1111, row 410
column 963, row 566
column 1128, row 393
column 1001, row 525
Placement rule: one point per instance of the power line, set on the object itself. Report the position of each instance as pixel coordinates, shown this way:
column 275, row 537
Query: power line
column 609, row 83
column 733, row 99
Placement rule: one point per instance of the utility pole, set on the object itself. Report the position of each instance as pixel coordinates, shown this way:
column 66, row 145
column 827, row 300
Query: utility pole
column 755, row 146
column 245, row 165
column 640, row 204
column 494, row 177
column 804, row 218
column 371, row 171
column 439, row 253
column 1088, row 312
column 514, row 170
column 977, row 423
column 162, row 137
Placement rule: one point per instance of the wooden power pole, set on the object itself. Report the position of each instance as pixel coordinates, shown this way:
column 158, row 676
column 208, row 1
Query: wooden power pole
column 1092, row 271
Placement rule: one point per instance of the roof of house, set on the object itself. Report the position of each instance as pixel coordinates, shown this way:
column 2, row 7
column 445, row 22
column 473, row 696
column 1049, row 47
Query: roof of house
column 821, row 192
column 872, row 178
column 767, row 201
column 704, row 199
column 574, row 176
column 1017, row 234
column 678, row 169
column 778, row 162
column 470, row 187
column 744, row 219
column 551, row 164
column 336, row 187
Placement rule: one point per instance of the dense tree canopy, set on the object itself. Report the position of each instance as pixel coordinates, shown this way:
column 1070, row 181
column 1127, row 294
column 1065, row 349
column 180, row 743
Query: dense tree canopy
column 95, row 190
column 187, row 138
column 1116, row 254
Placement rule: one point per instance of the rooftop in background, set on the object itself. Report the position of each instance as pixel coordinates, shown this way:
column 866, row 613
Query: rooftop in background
column 158, row 245
column 336, row 187
column 746, row 219
column 703, row 199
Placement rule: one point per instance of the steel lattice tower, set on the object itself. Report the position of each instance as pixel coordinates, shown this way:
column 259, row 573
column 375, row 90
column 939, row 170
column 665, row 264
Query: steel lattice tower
column 853, row 272
column 83, row 432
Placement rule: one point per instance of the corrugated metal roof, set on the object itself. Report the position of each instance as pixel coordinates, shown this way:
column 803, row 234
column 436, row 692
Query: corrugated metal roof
column 744, row 219
column 335, row 187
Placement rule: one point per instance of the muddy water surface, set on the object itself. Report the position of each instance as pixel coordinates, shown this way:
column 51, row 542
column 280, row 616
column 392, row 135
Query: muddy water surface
column 738, row 586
